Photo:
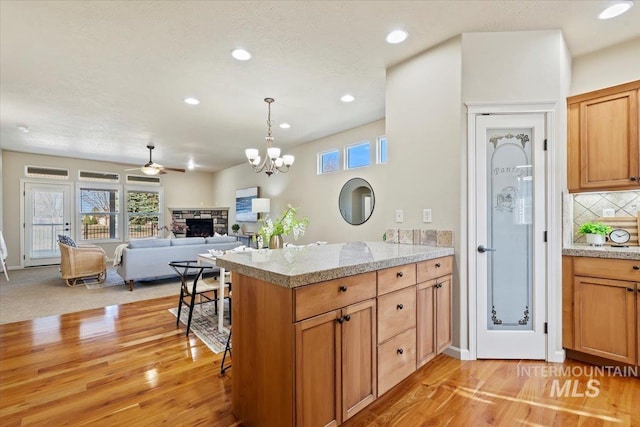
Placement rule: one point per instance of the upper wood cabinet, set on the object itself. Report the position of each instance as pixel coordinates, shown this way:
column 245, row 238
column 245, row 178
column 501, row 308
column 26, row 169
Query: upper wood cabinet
column 603, row 149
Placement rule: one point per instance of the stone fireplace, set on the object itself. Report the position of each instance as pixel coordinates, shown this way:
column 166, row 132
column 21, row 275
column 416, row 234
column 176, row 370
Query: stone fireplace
column 202, row 222
column 199, row 227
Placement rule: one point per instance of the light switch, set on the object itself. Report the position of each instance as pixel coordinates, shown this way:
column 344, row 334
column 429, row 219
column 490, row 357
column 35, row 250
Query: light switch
column 426, row 215
column 399, row 215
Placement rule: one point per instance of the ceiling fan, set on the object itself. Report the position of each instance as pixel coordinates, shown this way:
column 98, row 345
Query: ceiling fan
column 152, row 168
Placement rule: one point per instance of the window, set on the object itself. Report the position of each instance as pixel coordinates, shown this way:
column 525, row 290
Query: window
column 358, row 155
column 328, row 161
column 99, row 212
column 143, row 212
column 381, row 153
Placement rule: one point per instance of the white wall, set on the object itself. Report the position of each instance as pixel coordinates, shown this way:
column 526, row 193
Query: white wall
column 184, row 190
column 527, row 66
column 315, row 196
column 608, row 67
column 427, row 166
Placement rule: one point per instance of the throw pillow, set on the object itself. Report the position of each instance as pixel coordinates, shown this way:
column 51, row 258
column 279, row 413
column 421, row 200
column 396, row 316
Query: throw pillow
column 66, row 240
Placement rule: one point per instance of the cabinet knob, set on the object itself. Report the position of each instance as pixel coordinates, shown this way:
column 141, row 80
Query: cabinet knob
column 636, row 267
column 633, row 178
column 630, row 289
column 400, row 306
column 340, row 320
column 347, row 317
column 342, row 288
column 400, row 351
column 399, row 274
column 437, row 265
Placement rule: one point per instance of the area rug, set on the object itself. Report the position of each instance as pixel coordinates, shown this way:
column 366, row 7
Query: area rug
column 113, row 279
column 204, row 324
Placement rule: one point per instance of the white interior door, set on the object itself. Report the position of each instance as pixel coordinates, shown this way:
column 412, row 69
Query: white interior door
column 47, row 213
column 510, row 227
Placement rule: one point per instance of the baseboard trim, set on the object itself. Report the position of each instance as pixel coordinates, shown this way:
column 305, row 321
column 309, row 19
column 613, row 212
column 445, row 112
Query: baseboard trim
column 455, row 352
column 557, row 356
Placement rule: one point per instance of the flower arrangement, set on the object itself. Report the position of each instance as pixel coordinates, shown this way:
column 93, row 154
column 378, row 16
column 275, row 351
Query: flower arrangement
column 177, row 227
column 283, row 226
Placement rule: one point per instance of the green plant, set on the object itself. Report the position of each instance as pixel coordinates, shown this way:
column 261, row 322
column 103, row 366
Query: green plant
column 286, row 224
column 594, row 228
column 235, row 228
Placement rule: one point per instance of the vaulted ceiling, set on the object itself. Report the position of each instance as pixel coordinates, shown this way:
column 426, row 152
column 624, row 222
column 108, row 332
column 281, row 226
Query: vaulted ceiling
column 101, row 79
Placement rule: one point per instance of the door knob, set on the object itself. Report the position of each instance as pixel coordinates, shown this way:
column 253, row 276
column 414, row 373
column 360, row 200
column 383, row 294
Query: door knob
column 482, row 249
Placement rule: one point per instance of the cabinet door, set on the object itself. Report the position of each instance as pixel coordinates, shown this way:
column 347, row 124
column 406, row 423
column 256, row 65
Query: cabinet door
column 638, row 323
column 609, row 141
column 425, row 322
column 443, row 314
column 605, row 322
column 358, row 359
column 318, row 362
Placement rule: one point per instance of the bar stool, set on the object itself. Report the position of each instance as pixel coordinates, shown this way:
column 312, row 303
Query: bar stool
column 185, row 269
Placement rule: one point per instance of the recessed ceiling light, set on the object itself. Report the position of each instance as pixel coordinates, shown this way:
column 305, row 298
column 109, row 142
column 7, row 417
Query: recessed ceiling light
column 347, row 98
column 396, row 36
column 617, row 9
column 191, row 101
column 241, row 54
column 23, row 128
column 285, row 125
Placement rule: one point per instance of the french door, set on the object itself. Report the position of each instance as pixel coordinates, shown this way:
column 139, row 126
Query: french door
column 510, row 226
column 47, row 213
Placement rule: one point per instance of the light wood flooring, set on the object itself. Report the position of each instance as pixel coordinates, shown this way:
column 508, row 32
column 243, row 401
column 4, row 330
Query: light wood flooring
column 128, row 365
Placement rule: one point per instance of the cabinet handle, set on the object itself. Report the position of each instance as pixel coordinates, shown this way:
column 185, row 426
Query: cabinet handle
column 400, row 351
column 347, row 317
column 400, row 306
column 636, row 267
column 340, row 320
column 342, row 288
column 399, row 274
column 437, row 265
column 630, row 289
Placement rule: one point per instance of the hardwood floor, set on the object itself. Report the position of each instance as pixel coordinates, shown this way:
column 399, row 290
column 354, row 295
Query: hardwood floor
column 128, row 365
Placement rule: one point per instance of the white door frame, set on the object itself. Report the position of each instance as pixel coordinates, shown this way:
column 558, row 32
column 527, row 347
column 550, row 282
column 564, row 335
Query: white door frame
column 71, row 204
column 553, row 260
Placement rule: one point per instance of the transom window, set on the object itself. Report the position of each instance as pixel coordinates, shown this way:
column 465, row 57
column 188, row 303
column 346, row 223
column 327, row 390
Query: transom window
column 328, row 161
column 358, row 155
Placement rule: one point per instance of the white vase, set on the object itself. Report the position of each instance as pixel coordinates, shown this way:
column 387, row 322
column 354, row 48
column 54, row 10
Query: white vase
column 595, row 239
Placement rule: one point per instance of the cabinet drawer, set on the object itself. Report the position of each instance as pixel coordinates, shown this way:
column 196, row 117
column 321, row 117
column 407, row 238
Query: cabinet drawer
column 621, row 269
column 319, row 298
column 396, row 313
column 427, row 270
column 394, row 278
column 396, row 360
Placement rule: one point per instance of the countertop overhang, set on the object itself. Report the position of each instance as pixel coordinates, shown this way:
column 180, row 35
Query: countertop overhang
column 632, row 252
column 298, row 266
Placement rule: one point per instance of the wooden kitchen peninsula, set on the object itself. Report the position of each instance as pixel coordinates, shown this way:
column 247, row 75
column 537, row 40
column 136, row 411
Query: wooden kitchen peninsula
column 319, row 332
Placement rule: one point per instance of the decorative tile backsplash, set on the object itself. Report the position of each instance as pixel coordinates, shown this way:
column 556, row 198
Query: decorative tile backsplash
column 589, row 206
column 442, row 238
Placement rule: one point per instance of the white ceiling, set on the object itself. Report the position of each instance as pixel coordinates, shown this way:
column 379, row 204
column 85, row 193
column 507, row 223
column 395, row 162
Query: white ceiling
column 100, row 80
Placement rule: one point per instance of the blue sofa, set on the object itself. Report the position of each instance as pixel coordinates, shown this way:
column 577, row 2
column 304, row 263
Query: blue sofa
column 148, row 259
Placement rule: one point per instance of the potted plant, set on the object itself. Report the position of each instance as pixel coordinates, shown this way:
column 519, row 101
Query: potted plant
column 235, row 228
column 595, row 232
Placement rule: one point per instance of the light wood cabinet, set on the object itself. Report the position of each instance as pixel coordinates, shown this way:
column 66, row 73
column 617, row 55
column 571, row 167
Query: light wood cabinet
column 335, row 364
column 600, row 308
column 433, row 303
column 602, row 139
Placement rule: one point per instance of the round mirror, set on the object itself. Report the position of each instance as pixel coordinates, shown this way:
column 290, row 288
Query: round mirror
column 356, row 201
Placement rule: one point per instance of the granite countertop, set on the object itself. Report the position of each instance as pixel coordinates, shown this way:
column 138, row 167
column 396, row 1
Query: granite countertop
column 297, row 266
column 632, row 252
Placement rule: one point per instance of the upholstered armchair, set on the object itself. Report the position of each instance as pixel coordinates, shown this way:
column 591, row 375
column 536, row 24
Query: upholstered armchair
column 81, row 262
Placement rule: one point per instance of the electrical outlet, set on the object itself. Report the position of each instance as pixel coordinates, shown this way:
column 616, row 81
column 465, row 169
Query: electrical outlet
column 399, row 215
column 608, row 212
column 426, row 215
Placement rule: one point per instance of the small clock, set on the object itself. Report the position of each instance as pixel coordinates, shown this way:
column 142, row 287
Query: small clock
column 619, row 236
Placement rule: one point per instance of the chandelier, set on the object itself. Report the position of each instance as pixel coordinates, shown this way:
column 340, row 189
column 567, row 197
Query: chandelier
column 272, row 162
